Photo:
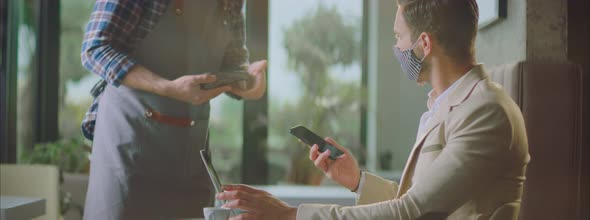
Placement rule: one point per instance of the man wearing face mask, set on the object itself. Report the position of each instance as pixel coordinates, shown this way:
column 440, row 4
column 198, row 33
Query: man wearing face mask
column 470, row 154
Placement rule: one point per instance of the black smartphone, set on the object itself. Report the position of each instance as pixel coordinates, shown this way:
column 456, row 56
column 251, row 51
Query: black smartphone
column 226, row 78
column 310, row 138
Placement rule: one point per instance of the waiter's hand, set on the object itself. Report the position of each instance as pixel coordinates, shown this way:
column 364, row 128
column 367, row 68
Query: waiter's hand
column 188, row 89
column 256, row 89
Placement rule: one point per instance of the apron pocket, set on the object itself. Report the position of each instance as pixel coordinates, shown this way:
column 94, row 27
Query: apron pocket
column 170, row 146
column 169, row 120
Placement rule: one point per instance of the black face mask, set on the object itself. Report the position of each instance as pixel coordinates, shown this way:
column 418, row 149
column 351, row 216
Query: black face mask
column 411, row 64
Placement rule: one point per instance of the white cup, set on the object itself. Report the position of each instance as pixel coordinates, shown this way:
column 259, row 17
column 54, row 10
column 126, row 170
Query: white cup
column 216, row 213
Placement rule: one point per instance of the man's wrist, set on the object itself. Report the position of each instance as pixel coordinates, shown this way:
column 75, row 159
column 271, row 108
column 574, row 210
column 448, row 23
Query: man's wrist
column 358, row 182
column 163, row 87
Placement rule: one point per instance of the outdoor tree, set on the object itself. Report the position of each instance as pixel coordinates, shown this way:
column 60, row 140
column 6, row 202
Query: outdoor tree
column 315, row 44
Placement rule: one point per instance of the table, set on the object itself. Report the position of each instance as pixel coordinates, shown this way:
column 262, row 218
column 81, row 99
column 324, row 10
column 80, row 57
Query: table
column 295, row 195
column 17, row 207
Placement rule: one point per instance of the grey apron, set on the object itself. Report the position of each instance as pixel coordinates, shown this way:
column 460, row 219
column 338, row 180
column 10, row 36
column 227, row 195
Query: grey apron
column 142, row 168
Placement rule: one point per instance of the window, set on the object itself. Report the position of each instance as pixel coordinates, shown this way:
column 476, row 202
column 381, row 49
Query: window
column 32, row 71
column 27, row 52
column 75, row 81
column 225, row 130
column 315, row 80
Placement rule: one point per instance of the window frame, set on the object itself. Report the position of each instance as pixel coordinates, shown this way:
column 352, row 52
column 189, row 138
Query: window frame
column 8, row 63
column 45, row 73
column 254, row 144
column 8, row 147
column 255, row 167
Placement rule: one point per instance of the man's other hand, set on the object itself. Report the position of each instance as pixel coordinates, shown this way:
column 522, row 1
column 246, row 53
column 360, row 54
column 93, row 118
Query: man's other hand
column 188, row 89
column 258, row 204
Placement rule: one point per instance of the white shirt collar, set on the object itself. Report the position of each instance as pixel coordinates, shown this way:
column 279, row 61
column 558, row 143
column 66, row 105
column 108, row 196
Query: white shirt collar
column 434, row 100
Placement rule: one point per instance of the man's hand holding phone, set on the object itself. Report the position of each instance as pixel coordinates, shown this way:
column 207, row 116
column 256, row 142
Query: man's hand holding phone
column 344, row 170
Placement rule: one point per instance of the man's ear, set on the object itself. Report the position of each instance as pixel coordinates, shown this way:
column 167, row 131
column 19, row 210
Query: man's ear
column 426, row 41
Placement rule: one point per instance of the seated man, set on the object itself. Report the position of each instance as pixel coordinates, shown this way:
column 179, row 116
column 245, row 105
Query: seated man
column 471, row 150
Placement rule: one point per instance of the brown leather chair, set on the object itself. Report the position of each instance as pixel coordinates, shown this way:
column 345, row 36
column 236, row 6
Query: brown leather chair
column 551, row 99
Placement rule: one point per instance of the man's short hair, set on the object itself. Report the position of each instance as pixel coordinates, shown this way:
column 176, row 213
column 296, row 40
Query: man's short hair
column 452, row 22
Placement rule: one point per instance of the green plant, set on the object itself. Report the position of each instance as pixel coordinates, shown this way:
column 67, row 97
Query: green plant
column 70, row 155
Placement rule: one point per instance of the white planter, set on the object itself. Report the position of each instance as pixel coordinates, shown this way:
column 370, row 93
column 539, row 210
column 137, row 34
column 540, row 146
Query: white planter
column 76, row 184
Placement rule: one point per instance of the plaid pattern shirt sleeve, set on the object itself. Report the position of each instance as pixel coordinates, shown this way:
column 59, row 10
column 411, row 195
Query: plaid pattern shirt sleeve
column 113, row 27
column 108, row 36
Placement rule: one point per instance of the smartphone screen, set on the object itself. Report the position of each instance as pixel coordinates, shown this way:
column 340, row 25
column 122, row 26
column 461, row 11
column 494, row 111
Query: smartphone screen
column 310, row 138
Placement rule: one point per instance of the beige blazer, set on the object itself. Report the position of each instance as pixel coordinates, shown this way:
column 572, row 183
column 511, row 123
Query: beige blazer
column 469, row 163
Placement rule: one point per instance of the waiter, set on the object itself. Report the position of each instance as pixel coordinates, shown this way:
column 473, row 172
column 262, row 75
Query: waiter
column 150, row 117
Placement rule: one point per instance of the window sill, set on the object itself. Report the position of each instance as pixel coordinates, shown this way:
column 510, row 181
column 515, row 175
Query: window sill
column 295, row 195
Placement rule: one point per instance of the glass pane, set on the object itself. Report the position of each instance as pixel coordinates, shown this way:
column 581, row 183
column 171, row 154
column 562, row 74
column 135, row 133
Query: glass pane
column 314, row 80
column 27, row 64
column 226, row 137
column 75, row 81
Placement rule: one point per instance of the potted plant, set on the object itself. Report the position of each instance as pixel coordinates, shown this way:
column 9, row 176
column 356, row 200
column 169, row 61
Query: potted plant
column 70, row 156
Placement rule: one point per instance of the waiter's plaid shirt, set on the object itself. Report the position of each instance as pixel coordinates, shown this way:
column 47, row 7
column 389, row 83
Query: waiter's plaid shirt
column 115, row 27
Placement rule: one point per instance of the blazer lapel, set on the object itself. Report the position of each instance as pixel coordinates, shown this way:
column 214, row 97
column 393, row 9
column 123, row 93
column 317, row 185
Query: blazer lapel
column 437, row 118
column 466, row 87
column 455, row 98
